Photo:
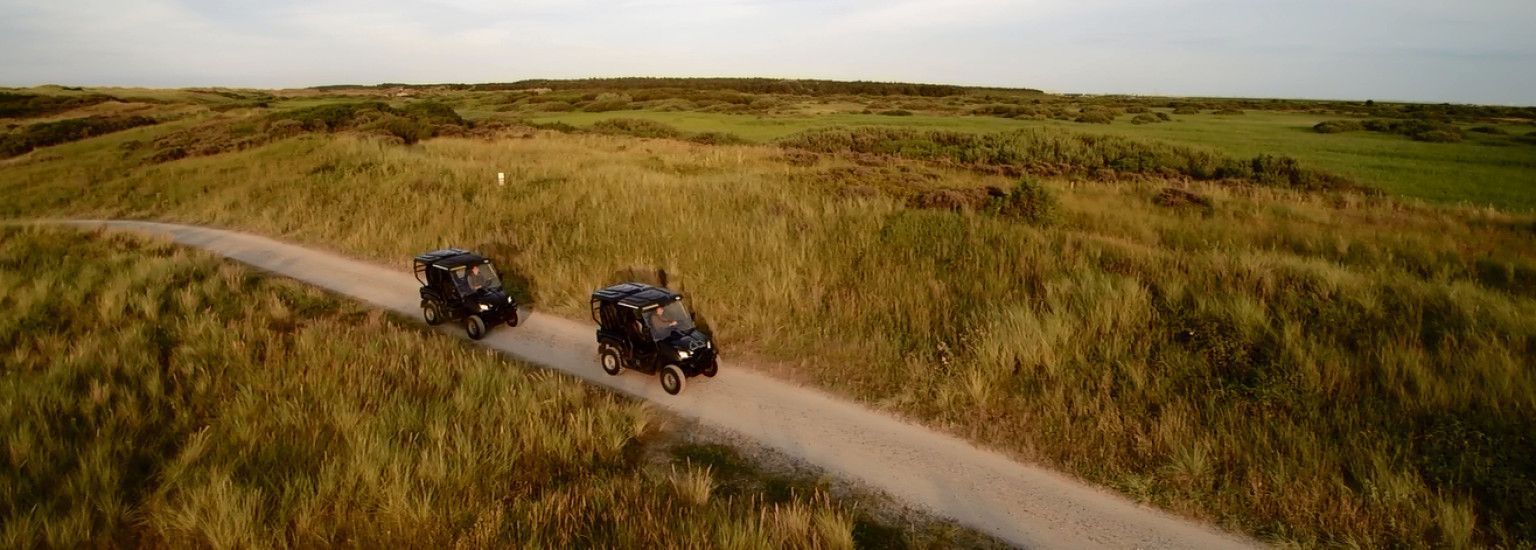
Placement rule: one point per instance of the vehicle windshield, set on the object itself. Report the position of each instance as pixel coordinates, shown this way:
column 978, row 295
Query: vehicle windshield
column 476, row 277
column 666, row 319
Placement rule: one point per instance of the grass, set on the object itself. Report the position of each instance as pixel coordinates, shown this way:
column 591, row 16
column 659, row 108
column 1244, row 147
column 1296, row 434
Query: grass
column 1314, row 369
column 153, row 396
column 1472, row 171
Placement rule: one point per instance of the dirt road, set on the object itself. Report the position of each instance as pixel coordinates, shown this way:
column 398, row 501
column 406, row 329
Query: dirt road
column 1018, row 503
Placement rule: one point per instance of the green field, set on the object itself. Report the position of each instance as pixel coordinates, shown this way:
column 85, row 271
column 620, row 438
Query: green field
column 1314, row 367
column 1479, row 171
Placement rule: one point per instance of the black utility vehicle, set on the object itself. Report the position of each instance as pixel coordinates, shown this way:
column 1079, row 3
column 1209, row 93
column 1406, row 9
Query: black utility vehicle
column 646, row 328
column 459, row 284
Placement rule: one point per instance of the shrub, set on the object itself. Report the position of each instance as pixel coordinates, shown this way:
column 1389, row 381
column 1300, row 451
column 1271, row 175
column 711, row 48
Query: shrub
column 1137, row 109
column 607, row 102
column 409, row 130
column 1337, row 126
column 1179, row 199
column 1095, row 117
column 1438, row 136
column 1030, row 202
column 1145, row 118
column 1229, row 111
column 1491, row 130
column 717, row 138
column 432, row 112
column 1163, row 116
column 896, row 112
column 637, row 127
column 1186, row 110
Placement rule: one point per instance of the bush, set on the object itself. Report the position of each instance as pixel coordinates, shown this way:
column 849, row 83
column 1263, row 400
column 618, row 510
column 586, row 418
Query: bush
column 637, row 127
column 1163, row 116
column 1095, row 117
column 1137, row 109
column 1337, row 126
column 1229, row 111
column 1491, row 130
column 1438, row 136
column 717, row 138
column 1186, row 110
column 409, row 130
column 1145, row 118
column 607, row 102
column 896, row 112
column 1030, row 202
column 432, row 112
column 1179, row 199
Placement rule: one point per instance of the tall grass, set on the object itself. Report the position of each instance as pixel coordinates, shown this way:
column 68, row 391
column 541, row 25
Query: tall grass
column 156, row 397
column 1314, row 369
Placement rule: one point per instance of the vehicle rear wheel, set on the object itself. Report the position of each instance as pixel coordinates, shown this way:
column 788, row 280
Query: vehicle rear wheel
column 475, row 327
column 612, row 363
column 672, row 379
column 432, row 314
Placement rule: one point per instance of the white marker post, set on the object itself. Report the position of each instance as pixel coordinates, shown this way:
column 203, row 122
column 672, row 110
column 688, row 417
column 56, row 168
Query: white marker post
column 501, row 178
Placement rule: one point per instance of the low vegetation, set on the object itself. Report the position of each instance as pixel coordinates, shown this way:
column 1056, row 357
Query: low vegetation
column 1419, row 130
column 24, row 105
column 157, row 397
column 1057, row 153
column 1237, row 336
column 44, row 134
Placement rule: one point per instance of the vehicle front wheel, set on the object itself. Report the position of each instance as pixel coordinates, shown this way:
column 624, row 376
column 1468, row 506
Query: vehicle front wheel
column 672, row 379
column 512, row 320
column 475, row 326
column 432, row 314
column 612, row 364
column 711, row 370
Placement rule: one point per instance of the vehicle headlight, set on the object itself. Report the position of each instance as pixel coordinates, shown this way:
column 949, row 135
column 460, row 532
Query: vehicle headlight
column 485, row 307
column 682, row 354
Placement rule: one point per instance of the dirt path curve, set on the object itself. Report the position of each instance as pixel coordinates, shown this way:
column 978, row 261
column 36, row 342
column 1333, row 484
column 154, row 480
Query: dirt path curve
column 1021, row 504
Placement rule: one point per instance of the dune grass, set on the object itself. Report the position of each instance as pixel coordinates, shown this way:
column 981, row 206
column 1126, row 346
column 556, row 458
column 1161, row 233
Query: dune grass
column 154, row 396
column 1313, row 369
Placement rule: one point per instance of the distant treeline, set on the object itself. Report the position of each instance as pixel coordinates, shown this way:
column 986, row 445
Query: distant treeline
column 748, row 85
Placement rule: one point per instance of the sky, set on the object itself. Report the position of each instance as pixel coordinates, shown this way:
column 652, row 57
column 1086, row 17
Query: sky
column 1472, row 51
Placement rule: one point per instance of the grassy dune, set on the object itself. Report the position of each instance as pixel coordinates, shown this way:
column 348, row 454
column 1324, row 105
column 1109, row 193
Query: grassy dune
column 151, row 396
column 1313, row 369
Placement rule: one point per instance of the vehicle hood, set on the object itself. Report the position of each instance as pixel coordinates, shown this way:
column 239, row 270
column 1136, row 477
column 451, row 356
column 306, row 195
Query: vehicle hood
column 691, row 340
column 496, row 297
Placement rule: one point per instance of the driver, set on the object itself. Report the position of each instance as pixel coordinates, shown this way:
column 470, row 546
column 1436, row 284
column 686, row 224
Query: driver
column 660, row 324
column 476, row 279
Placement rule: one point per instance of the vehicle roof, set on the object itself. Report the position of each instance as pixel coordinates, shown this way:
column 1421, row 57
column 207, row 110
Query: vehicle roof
column 450, row 257
column 636, row 295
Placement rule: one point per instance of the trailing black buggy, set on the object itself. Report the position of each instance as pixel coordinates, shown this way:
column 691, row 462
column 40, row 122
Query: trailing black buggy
column 459, row 284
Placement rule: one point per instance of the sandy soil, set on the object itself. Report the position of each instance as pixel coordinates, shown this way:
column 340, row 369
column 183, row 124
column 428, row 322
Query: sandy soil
column 1021, row 504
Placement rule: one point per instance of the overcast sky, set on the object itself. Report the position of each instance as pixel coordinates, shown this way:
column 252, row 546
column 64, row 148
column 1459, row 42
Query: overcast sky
column 1471, row 51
